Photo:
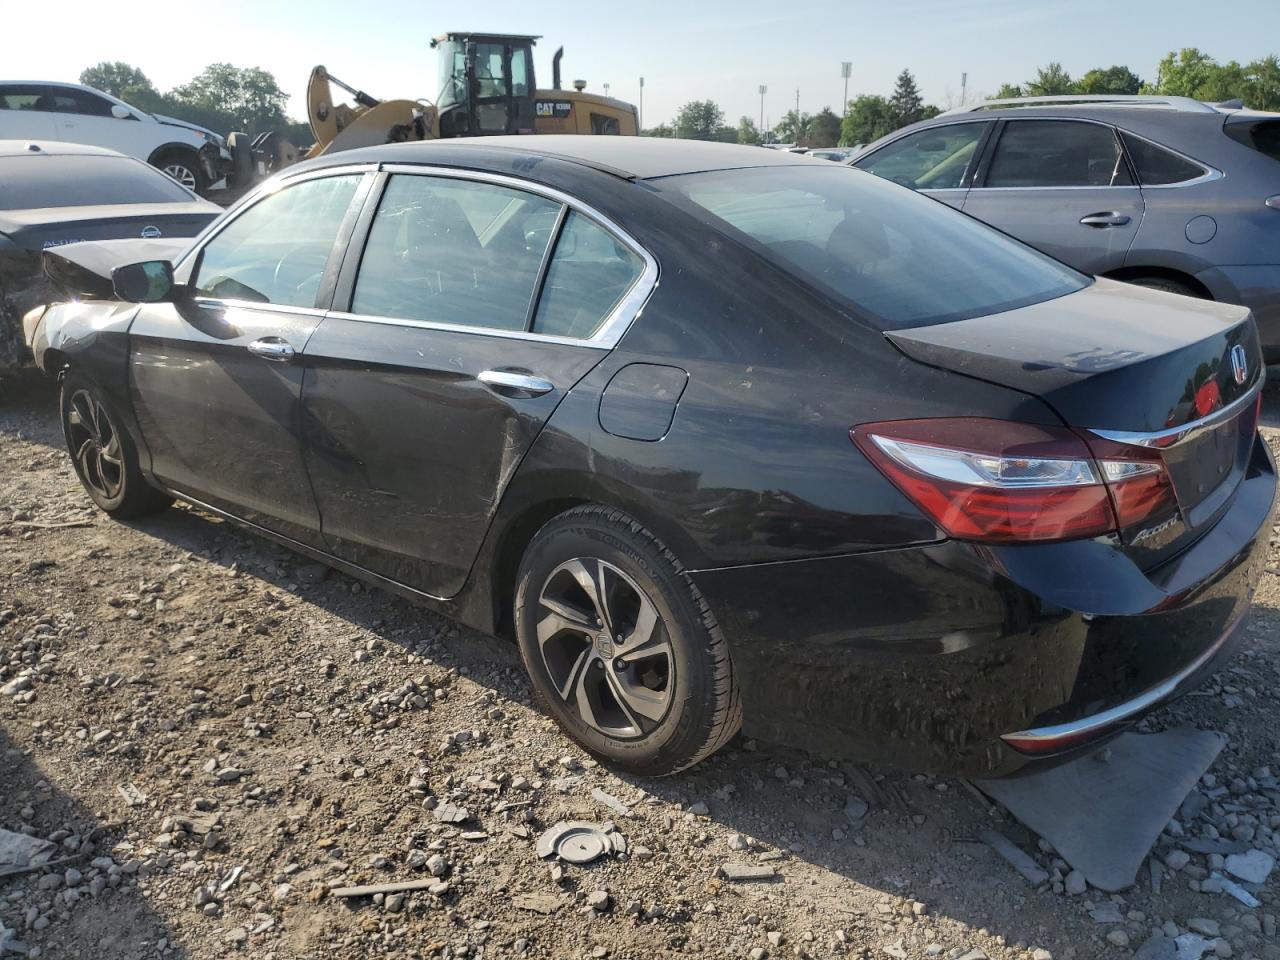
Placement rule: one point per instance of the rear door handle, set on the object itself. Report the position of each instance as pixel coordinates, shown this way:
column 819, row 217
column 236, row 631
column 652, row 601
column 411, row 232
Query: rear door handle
column 272, row 348
column 1105, row 220
column 516, row 383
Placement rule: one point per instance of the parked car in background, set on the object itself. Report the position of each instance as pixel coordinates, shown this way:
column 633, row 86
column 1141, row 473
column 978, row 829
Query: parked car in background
column 831, row 153
column 197, row 158
column 1166, row 192
column 860, row 472
column 52, row 194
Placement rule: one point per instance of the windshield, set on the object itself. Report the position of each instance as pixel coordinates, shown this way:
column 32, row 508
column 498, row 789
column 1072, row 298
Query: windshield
column 902, row 259
column 34, row 182
column 451, row 66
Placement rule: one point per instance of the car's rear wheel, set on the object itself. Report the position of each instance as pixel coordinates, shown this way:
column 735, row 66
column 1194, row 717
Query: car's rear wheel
column 183, row 167
column 621, row 646
column 103, row 454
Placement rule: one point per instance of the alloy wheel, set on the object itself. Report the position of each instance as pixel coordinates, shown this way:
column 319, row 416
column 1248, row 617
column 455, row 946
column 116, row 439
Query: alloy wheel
column 95, row 445
column 605, row 648
column 182, row 173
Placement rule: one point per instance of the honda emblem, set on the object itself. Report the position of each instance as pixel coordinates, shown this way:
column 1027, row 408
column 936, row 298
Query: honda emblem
column 1239, row 363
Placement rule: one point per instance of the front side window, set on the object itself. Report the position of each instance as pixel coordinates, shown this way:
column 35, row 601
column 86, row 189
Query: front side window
column 1156, row 165
column 19, row 96
column 933, row 159
column 453, row 69
column 1057, row 153
column 901, row 259
column 276, row 251
column 590, row 273
column 491, row 79
column 454, row 251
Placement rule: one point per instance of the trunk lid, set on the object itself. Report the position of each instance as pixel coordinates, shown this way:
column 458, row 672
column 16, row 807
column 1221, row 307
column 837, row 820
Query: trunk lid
column 38, row 230
column 1134, row 371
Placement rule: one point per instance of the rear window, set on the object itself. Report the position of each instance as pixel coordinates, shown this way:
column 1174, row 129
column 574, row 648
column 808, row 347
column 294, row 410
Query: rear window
column 1260, row 135
column 37, row 181
column 903, row 259
column 1156, row 165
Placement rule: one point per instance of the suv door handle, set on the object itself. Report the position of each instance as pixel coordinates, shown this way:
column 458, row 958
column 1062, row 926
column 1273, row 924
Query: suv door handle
column 515, row 383
column 272, row 348
column 1105, row 220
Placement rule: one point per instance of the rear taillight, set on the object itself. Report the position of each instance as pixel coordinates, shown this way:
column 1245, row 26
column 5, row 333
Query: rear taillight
column 999, row 481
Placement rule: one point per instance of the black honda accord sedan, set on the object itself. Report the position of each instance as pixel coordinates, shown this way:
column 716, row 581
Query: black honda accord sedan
column 724, row 437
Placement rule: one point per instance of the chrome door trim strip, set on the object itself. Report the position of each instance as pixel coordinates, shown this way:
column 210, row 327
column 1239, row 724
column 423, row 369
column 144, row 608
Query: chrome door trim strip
column 1164, row 439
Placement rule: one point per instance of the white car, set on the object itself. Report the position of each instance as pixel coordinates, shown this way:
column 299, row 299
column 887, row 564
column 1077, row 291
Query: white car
column 41, row 111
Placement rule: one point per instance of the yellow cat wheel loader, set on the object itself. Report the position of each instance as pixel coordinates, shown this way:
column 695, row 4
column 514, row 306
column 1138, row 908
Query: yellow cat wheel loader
column 485, row 87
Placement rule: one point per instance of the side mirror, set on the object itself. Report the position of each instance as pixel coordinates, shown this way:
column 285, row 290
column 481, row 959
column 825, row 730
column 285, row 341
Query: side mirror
column 120, row 112
column 148, row 282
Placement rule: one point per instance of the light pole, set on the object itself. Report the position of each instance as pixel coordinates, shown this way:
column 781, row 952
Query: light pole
column 845, row 69
column 763, row 90
column 964, row 82
column 640, row 108
column 606, row 89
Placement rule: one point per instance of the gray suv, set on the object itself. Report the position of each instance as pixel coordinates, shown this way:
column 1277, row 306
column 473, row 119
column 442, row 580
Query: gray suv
column 1167, row 192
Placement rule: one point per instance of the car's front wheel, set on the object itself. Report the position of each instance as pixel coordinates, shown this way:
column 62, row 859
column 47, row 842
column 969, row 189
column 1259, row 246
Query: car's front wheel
column 183, row 167
column 103, row 453
column 621, row 646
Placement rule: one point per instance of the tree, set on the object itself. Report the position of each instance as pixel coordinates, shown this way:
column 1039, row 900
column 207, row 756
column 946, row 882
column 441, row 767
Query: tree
column 868, row 119
column 699, row 120
column 1264, row 80
column 823, row 130
column 1115, row 79
column 747, row 132
column 250, row 96
column 1050, row 81
column 1008, row 91
column 661, row 130
column 1183, row 74
column 792, row 127
column 906, row 105
column 124, row 81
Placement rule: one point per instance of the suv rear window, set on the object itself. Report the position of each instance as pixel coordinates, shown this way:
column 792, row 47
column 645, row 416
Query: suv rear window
column 901, row 258
column 37, row 181
column 1156, row 165
column 1260, row 135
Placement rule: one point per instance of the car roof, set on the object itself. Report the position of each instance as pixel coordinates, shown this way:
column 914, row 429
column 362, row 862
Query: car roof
column 633, row 158
column 53, row 148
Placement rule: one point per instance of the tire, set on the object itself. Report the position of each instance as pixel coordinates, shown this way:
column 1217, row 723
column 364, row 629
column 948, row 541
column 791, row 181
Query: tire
column 1168, row 286
column 183, row 166
column 648, row 706
column 103, row 454
column 242, row 169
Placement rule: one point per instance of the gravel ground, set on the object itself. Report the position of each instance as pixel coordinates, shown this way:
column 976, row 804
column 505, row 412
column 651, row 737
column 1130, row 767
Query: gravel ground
column 280, row 731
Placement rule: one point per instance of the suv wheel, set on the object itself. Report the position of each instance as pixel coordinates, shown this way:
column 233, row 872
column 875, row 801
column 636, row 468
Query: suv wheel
column 621, row 646
column 183, row 167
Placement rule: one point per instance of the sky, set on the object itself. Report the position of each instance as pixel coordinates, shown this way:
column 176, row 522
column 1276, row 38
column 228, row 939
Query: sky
column 691, row 50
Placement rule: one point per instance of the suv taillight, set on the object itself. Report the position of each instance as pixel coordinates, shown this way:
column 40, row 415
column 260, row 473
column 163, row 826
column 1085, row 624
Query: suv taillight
column 999, row 481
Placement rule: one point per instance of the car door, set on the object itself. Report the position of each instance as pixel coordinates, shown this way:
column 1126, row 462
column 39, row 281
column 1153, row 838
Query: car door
column 24, row 112
column 216, row 376
column 1062, row 186
column 938, row 160
column 83, row 117
column 476, row 304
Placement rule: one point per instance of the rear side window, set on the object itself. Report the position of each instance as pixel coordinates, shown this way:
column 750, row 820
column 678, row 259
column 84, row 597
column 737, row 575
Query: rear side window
column 1260, row 135
column 454, row 251
column 22, row 97
column 276, row 251
column 35, row 181
column 1057, row 153
column 590, row 273
column 1156, row 165
column 933, row 159
column 901, row 259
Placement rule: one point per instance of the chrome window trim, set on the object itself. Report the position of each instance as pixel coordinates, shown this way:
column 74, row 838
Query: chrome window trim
column 614, row 325
column 208, row 303
column 1164, row 439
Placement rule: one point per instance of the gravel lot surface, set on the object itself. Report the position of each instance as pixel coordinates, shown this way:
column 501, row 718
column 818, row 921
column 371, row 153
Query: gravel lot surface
column 218, row 734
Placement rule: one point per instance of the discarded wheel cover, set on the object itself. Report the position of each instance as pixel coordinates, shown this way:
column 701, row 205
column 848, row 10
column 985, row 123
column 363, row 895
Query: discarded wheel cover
column 580, row 842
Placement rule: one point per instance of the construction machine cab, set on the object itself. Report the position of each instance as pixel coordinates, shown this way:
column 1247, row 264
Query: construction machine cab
column 486, row 84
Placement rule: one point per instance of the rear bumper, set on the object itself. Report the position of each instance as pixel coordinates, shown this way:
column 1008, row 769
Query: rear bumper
column 1256, row 286
column 928, row 657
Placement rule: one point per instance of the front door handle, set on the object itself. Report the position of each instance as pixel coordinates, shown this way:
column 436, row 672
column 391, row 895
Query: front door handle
column 272, row 348
column 1105, row 220
column 516, row 384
